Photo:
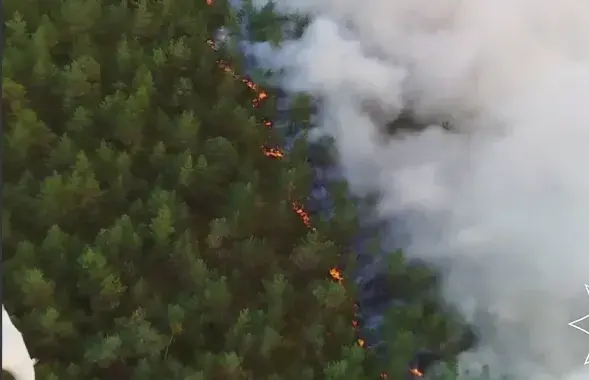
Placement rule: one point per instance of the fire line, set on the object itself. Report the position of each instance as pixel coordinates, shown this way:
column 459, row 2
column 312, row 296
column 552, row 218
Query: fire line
column 335, row 273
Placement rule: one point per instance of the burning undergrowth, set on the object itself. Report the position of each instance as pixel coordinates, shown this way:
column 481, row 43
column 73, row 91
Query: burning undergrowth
column 498, row 203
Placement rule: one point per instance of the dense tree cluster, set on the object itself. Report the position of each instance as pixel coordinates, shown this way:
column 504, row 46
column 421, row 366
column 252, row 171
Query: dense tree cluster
column 148, row 226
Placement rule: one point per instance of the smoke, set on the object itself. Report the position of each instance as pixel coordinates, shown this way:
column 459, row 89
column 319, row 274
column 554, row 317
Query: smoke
column 500, row 204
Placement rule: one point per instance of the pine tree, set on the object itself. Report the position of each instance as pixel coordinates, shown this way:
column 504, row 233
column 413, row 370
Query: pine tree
column 146, row 234
column 152, row 228
column 416, row 330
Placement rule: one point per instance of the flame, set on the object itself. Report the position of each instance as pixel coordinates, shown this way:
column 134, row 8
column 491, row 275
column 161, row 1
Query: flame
column 416, row 372
column 336, row 274
column 302, row 214
column 261, row 95
column 272, row 152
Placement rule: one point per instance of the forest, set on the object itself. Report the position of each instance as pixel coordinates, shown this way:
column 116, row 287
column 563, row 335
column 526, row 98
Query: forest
column 164, row 216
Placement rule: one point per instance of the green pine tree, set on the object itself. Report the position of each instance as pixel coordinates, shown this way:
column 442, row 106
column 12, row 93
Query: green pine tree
column 146, row 235
column 149, row 229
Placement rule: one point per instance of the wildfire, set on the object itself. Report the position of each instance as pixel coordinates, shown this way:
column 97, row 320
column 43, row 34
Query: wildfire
column 416, row 372
column 336, row 274
column 302, row 214
column 272, row 152
column 261, row 95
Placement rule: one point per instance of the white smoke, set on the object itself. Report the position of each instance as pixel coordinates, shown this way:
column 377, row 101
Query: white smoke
column 502, row 204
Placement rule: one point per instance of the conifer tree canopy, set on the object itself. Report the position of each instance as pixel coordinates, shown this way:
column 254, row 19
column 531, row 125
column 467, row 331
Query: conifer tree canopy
column 146, row 235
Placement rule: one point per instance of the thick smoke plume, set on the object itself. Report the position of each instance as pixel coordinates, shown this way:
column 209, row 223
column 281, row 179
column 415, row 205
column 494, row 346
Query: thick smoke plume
column 500, row 203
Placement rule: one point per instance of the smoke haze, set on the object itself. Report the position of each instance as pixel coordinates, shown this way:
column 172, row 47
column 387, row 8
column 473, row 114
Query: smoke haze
column 501, row 204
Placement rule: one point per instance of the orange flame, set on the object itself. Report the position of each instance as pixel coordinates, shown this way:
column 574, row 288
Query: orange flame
column 272, row 152
column 336, row 274
column 302, row 214
column 416, row 372
column 261, row 95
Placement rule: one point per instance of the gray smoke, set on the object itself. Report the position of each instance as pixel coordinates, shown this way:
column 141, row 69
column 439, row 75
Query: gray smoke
column 501, row 203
